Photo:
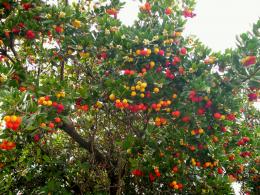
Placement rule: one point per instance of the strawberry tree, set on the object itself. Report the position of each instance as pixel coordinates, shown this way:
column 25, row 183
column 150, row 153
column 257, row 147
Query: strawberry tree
column 92, row 106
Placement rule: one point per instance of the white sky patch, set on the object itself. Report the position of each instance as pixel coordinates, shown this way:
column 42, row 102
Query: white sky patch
column 130, row 12
column 219, row 21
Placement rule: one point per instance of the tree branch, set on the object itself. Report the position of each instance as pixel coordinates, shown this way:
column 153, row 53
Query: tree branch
column 71, row 131
column 13, row 49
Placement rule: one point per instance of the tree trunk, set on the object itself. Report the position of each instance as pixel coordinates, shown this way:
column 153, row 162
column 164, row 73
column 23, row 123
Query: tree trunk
column 114, row 183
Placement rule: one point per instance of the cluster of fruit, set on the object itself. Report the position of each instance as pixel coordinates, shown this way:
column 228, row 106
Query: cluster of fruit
column 176, row 186
column 159, row 121
column 13, row 122
column 7, row 145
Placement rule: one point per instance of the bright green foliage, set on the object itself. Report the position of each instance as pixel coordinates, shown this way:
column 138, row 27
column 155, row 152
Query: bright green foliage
column 108, row 108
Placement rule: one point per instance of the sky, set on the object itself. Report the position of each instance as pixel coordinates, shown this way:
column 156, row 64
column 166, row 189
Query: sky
column 217, row 22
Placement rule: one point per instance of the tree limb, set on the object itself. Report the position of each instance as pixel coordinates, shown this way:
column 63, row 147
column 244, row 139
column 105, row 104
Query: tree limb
column 71, row 131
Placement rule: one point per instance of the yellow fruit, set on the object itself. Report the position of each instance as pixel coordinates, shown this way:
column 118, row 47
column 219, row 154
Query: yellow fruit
column 156, row 90
column 169, row 102
column 177, row 34
column 174, row 183
column 42, row 99
column 133, row 88
column 193, row 132
column 156, row 50
column 201, row 131
column 223, row 117
column 149, row 52
column 144, row 85
column 130, row 59
column 152, row 64
column 139, row 82
column 76, row 23
column 118, row 100
column 137, row 87
column 61, row 15
column 70, row 52
column 99, row 104
column 112, row 97
column 138, row 52
column 124, row 101
column 174, row 96
column 58, row 95
column 13, row 118
column 142, row 89
column 43, row 125
column 49, row 103
column 133, row 93
column 142, row 95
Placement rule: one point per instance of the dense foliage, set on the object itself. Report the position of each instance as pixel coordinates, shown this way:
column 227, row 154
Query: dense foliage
column 90, row 105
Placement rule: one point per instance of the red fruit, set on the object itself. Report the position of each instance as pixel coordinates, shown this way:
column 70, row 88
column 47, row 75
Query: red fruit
column 51, row 125
column 176, row 113
column 201, row 111
column 246, row 139
column 57, row 120
column 220, row 170
column 30, row 34
column 15, row 126
column 151, row 177
column 217, row 115
column 26, row 6
column 84, row 108
column 21, row 25
column 185, row 119
column 112, row 11
column 223, row 129
column 6, row 5
column 59, row 29
column 137, row 172
column 147, row 6
column 252, row 97
column 161, row 52
column 231, row 157
column 180, row 186
column 103, row 55
column 249, row 60
column 9, row 125
column 176, row 60
column 168, row 11
column 183, row 51
column 36, row 137
column 208, row 104
column 54, row 104
column 200, row 146
column 157, row 172
column 175, row 169
column 231, row 117
column 15, row 30
column 188, row 13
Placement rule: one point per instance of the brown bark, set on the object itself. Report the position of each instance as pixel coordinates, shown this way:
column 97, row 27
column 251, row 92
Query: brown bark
column 71, row 131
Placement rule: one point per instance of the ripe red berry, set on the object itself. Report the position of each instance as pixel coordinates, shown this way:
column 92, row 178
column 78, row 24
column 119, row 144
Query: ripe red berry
column 217, row 115
column 183, row 51
column 176, row 113
column 30, row 34
column 220, row 170
column 51, row 125
column 168, row 11
column 57, row 120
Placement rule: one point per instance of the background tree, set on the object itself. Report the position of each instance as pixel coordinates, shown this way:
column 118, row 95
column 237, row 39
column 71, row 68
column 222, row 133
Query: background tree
column 92, row 106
